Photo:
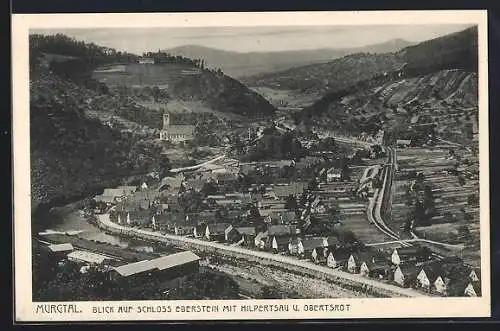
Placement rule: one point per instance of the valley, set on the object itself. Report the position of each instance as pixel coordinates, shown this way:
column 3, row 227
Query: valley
column 326, row 178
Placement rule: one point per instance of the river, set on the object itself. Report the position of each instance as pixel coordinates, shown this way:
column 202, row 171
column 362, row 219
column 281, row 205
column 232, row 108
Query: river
column 68, row 219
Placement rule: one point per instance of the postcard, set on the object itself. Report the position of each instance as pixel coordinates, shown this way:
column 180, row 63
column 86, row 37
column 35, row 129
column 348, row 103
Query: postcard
column 249, row 166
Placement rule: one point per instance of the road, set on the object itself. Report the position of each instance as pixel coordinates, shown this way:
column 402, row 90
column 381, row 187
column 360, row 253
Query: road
column 195, row 167
column 105, row 222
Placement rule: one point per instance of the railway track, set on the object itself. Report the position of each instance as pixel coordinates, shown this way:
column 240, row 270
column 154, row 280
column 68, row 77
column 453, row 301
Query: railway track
column 380, row 200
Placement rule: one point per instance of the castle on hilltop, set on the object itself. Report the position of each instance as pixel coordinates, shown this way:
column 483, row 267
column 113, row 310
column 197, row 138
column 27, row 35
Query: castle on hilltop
column 175, row 133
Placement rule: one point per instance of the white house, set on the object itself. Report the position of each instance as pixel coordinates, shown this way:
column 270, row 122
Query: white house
column 471, row 290
column 351, row 264
column 440, row 285
column 260, row 240
column 337, row 258
column 474, row 275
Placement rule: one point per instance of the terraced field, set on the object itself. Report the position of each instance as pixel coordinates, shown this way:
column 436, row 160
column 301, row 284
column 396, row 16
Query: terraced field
column 456, row 215
column 135, row 74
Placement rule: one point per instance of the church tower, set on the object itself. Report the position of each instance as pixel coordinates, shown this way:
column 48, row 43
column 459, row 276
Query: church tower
column 166, row 121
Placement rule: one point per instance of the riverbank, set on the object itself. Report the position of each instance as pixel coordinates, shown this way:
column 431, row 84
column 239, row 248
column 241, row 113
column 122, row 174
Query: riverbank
column 349, row 281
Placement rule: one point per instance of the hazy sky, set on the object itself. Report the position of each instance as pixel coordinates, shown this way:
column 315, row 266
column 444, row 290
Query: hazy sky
column 254, row 39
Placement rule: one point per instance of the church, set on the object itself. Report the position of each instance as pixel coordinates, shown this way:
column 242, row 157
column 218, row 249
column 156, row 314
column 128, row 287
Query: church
column 175, row 133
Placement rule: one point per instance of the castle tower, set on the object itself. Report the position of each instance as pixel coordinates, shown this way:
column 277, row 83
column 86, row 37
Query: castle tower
column 166, row 121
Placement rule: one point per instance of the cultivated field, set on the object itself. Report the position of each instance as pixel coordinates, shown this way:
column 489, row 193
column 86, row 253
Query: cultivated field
column 144, row 75
column 455, row 219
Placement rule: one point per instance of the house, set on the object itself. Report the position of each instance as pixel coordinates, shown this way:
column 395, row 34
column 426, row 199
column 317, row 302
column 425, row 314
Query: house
column 475, row 275
column 146, row 60
column 375, row 267
column 355, row 260
column 406, row 274
column 248, row 234
column 278, row 243
column 333, row 175
column 108, row 200
column 227, row 178
column 127, row 189
column 168, row 267
column 331, row 242
column 293, row 246
column 295, row 189
column 218, row 231
column 409, row 254
column 113, row 192
column 183, row 230
column 318, row 255
column 428, row 276
column 139, row 217
column 473, row 289
column 281, row 230
column 199, row 230
column 171, row 183
column 260, row 239
column 79, row 256
column 403, row 143
column 175, row 133
column 307, row 246
column 338, row 258
column 58, row 252
column 452, row 275
column 60, row 248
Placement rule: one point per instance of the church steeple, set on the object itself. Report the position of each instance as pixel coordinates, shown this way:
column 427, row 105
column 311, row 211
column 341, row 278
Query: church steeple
column 166, row 121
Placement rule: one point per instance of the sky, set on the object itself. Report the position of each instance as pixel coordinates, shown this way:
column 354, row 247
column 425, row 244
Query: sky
column 254, row 39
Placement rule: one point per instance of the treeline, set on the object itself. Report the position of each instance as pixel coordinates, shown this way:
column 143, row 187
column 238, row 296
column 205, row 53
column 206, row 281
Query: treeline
column 63, row 45
column 163, row 57
column 455, row 51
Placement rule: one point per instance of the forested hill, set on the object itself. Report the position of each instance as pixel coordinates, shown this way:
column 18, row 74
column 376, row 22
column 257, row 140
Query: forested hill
column 73, row 154
column 453, row 51
column 457, row 51
column 239, row 65
column 177, row 76
column 186, row 79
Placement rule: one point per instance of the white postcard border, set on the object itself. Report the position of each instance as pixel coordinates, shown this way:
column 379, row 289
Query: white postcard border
column 26, row 310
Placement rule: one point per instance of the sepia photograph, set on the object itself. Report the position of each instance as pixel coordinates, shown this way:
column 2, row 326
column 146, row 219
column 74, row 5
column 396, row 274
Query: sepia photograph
column 206, row 166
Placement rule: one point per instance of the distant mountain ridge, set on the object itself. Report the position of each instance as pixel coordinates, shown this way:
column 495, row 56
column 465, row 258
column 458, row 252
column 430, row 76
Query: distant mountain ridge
column 238, row 64
column 453, row 51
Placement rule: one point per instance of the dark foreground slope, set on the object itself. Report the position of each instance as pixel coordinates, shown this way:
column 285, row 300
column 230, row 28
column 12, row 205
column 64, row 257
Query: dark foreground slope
column 71, row 153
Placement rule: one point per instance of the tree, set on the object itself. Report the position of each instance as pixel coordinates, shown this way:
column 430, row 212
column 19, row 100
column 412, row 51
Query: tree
column 313, row 185
column 164, row 166
column 209, row 188
column 291, row 202
column 461, row 180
